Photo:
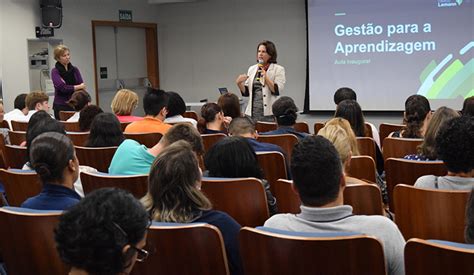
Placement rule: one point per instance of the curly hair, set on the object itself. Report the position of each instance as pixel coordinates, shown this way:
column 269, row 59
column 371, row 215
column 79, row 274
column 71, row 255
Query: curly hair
column 417, row 108
column 455, row 144
column 92, row 234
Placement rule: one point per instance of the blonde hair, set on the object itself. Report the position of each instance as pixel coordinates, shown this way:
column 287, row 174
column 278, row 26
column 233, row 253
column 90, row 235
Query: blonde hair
column 346, row 126
column 124, row 102
column 34, row 98
column 59, row 51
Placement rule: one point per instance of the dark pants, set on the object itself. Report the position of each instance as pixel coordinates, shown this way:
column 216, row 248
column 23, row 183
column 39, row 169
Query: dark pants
column 57, row 108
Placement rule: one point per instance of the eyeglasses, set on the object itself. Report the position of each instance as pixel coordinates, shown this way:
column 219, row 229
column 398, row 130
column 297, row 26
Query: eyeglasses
column 142, row 254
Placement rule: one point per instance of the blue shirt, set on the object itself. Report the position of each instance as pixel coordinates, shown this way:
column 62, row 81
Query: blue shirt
column 264, row 146
column 131, row 158
column 52, row 197
column 286, row 130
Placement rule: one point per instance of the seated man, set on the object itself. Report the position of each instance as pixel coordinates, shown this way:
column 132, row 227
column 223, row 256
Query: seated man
column 36, row 101
column 155, row 104
column 133, row 158
column 20, row 111
column 319, row 180
column 285, row 112
column 455, row 146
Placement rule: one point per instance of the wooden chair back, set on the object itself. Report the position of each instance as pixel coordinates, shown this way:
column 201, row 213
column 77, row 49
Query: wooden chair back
column 78, row 138
column 4, row 124
column 386, row 128
column 288, row 200
column 430, row 257
column 20, row 185
column 71, row 126
column 302, row 127
column 184, row 249
column 29, row 235
column 318, row 126
column 65, row 115
column 191, row 114
column 15, row 156
column 365, row 199
column 270, row 252
column 408, row 171
column 16, row 137
column 96, row 157
column 362, row 167
column 262, row 126
column 210, row 139
column 124, row 125
column 285, row 141
column 242, row 198
column 366, row 146
column 147, row 139
column 19, row 125
column 3, row 162
column 135, row 184
column 368, row 130
column 430, row 213
column 400, row 147
column 274, row 167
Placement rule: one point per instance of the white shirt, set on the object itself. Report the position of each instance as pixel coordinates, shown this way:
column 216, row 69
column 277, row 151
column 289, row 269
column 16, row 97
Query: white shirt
column 180, row 118
column 74, row 118
column 16, row 114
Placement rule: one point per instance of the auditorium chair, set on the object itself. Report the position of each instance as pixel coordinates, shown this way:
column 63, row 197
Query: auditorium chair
column 288, row 200
column 285, row 141
column 273, row 165
column 191, row 114
column 4, row 124
column 147, row 139
column 124, row 125
column 71, row 126
column 366, row 146
column 195, row 248
column 271, row 251
column 27, row 241
column 368, row 130
column 19, row 125
column 435, row 257
column 362, row 167
column 302, row 127
column 430, row 213
column 408, row 171
column 3, row 162
column 135, row 184
column 15, row 156
column 317, row 126
column 210, row 139
column 65, row 115
column 386, row 128
column 243, row 199
column 78, row 138
column 20, row 185
column 96, row 157
column 16, row 137
column 262, row 126
column 400, row 147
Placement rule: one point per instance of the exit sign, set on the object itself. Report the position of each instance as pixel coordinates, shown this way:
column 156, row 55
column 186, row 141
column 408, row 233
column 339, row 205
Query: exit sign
column 125, row 15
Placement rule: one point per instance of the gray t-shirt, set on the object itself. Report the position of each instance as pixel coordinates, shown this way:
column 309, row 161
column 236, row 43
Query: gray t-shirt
column 341, row 219
column 445, row 182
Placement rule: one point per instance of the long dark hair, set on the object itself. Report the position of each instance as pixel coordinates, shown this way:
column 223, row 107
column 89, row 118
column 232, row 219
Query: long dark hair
column 351, row 111
column 417, row 108
column 105, row 131
column 271, row 50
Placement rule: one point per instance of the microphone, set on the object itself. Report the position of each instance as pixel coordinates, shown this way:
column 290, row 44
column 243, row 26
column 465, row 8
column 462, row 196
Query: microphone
column 259, row 70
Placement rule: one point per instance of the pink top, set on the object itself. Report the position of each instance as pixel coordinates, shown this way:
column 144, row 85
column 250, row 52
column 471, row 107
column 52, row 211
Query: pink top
column 129, row 118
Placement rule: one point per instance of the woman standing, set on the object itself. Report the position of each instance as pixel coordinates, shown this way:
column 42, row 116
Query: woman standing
column 66, row 79
column 263, row 82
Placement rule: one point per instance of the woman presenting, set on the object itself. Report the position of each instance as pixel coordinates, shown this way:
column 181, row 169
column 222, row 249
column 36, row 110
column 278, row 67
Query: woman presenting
column 66, row 79
column 263, row 82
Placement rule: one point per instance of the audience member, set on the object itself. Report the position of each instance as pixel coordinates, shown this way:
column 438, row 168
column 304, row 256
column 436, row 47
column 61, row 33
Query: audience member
column 427, row 150
column 212, row 119
column 103, row 234
column 19, row 112
column 36, row 101
column 469, row 231
column 52, row 156
column 230, row 105
column 3, row 131
column 285, row 112
column 318, row 178
column 416, row 117
column 105, row 131
column 87, row 115
column 176, row 109
column 155, row 103
column 468, row 107
column 174, row 196
column 455, row 147
column 132, row 158
column 343, row 94
column 234, row 157
column 124, row 103
column 79, row 100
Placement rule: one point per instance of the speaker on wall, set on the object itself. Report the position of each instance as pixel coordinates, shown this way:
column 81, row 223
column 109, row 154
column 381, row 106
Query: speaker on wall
column 51, row 13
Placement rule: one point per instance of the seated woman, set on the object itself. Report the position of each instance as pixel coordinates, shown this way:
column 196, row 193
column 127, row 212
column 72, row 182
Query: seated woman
column 234, row 157
column 455, row 147
column 176, row 109
column 230, row 105
column 174, row 196
column 53, row 157
column 416, row 117
column 79, row 100
column 87, row 115
column 103, row 234
column 105, row 131
column 212, row 120
column 427, row 150
column 123, row 104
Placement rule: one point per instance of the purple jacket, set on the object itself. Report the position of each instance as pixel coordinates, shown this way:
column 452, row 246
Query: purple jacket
column 62, row 91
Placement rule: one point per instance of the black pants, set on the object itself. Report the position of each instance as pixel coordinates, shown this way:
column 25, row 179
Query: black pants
column 57, row 108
